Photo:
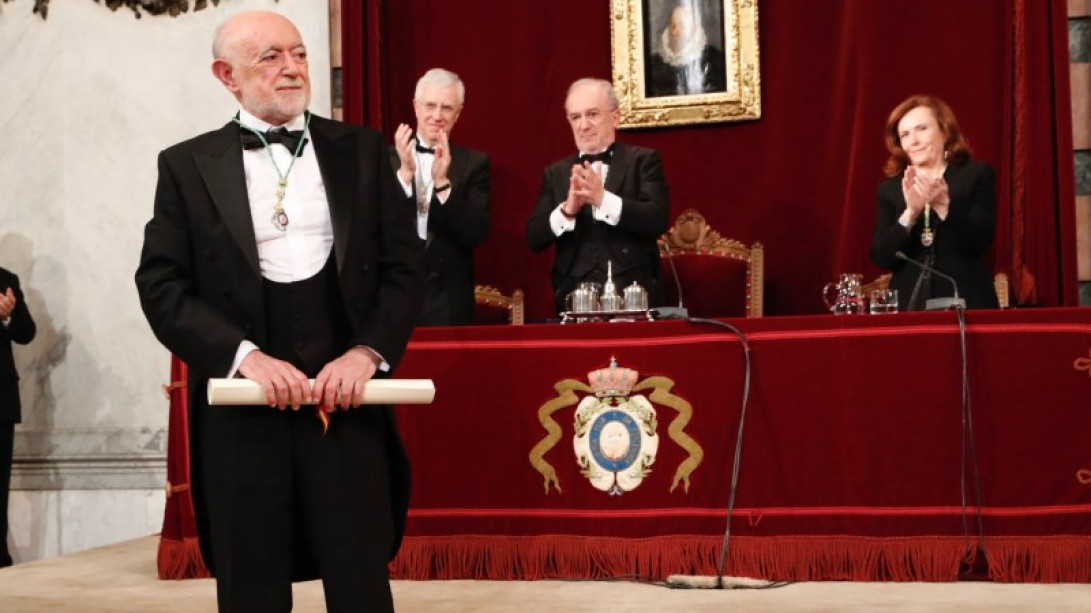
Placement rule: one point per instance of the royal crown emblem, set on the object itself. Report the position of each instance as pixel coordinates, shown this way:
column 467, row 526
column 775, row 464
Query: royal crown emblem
column 614, row 431
column 612, row 381
column 615, row 436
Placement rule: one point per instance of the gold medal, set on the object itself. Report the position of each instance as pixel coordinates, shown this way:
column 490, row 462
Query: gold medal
column 927, row 237
column 280, row 220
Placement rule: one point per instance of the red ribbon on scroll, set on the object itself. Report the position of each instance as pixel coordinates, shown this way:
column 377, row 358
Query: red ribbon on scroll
column 179, row 554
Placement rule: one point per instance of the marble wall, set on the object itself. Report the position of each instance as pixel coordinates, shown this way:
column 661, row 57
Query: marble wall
column 1079, row 52
column 89, row 98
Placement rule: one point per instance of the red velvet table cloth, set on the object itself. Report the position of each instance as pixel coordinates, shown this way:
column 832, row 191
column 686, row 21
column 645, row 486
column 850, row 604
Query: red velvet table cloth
column 851, row 459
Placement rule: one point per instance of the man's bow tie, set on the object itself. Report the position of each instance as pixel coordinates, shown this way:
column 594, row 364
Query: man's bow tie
column 422, row 149
column 603, row 157
column 289, row 139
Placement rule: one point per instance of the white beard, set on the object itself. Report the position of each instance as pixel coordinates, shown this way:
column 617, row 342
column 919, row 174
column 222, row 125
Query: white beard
column 271, row 107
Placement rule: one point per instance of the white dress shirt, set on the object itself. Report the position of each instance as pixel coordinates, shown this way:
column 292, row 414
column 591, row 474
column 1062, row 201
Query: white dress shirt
column 300, row 251
column 425, row 184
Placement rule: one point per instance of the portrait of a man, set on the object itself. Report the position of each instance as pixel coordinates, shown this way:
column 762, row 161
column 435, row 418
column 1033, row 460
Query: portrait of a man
column 684, row 42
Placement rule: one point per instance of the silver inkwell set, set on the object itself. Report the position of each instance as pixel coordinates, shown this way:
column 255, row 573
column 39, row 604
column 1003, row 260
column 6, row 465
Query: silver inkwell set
column 602, row 302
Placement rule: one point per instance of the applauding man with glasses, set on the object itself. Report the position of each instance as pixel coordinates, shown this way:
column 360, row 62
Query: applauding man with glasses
column 452, row 187
column 605, row 205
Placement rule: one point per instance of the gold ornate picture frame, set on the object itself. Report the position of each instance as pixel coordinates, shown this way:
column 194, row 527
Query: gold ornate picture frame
column 678, row 62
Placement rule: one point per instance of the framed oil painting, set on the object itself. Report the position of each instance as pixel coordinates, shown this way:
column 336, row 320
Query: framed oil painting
column 678, row 62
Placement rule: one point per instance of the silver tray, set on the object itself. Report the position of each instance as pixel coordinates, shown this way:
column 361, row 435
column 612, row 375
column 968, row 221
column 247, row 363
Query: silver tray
column 572, row 317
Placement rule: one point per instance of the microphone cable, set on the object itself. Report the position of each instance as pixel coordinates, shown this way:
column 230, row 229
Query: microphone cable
column 968, row 445
column 738, row 442
column 969, row 448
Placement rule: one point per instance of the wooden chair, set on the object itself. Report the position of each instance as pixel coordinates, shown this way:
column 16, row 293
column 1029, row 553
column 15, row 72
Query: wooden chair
column 880, row 282
column 720, row 277
column 1000, row 284
column 1003, row 289
column 492, row 307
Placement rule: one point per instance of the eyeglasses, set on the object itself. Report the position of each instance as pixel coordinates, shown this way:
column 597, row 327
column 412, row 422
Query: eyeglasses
column 430, row 107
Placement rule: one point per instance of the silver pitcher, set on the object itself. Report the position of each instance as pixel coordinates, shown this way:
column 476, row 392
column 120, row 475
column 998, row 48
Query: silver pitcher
column 636, row 298
column 583, row 299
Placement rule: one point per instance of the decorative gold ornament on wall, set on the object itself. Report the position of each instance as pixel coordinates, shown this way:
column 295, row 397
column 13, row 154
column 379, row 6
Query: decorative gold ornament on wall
column 173, row 8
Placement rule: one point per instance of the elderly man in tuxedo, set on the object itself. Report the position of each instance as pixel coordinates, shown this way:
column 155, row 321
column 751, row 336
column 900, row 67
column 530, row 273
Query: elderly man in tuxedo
column 451, row 186
column 16, row 326
column 605, row 205
column 281, row 248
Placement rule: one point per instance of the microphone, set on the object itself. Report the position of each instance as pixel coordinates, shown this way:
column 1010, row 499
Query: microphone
column 680, row 311
column 936, row 304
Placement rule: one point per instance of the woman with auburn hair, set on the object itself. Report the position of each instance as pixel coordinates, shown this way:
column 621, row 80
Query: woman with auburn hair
column 937, row 207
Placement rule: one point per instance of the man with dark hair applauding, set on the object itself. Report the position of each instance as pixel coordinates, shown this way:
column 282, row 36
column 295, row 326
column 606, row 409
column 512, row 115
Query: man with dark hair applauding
column 606, row 205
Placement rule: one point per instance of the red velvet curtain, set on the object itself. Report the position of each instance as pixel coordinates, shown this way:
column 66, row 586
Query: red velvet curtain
column 801, row 179
column 1041, row 235
column 361, row 69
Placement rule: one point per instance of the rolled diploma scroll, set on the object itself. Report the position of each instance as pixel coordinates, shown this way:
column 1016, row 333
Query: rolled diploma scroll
column 233, row 392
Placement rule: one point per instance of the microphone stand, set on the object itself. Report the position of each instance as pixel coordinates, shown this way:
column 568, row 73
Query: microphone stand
column 933, row 304
column 678, row 312
column 923, row 276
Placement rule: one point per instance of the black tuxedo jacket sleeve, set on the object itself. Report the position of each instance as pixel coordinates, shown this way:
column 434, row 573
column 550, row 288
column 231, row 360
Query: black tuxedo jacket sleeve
column 961, row 243
column 199, row 280
column 20, row 330
column 636, row 176
column 457, row 227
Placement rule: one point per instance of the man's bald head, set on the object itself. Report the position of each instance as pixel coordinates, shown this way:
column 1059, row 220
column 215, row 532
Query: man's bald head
column 260, row 58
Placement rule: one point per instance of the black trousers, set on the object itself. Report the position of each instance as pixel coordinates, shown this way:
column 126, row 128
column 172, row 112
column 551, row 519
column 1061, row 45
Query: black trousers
column 285, row 502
